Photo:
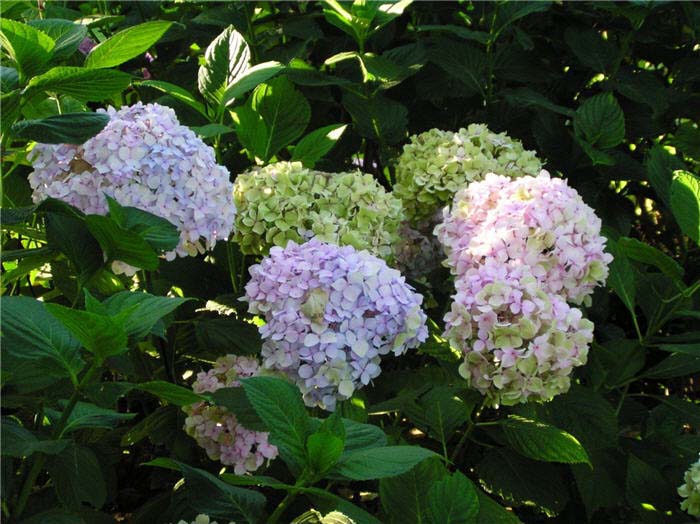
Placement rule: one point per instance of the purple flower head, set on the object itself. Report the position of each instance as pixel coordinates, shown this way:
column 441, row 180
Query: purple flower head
column 86, row 45
column 143, row 158
column 331, row 312
column 216, row 429
column 539, row 222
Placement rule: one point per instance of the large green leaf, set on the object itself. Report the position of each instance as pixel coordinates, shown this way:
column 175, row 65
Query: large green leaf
column 381, row 462
column 236, row 401
column 405, row 497
column 228, row 334
column 252, row 78
column 18, row 441
column 251, row 130
column 86, row 415
column 87, row 85
column 160, row 234
column 121, row 244
column 126, row 44
column 660, row 165
column 33, row 337
column 316, row 144
column 621, row 278
column 145, row 310
column 77, row 477
column 646, row 485
column 591, row 49
column 453, row 500
column 377, row 117
column 600, row 121
column 491, row 512
column 69, row 128
column 71, row 236
column 602, row 485
column 284, row 110
column 541, row 441
column 176, row 92
column 676, row 365
column 67, row 35
column 685, row 203
column 641, row 252
column 278, row 403
column 226, row 60
column 177, row 395
column 439, row 412
column 29, row 48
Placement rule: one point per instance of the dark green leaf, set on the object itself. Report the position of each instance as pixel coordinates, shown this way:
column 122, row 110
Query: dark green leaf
column 121, row 244
column 677, row 365
column 145, row 310
column 405, row 497
column 453, row 500
column 526, row 97
column 71, row 236
column 87, row 85
column 490, row 512
column 600, row 121
column 228, row 334
column 646, row 485
column 660, row 165
column 324, row 449
column 170, row 392
column 439, row 412
column 374, row 463
column 176, row 92
column 316, row 144
column 541, row 441
column 647, row 254
column 157, row 231
column 462, row 61
column 591, row 49
column 685, row 203
column 86, row 415
column 378, row 117
column 69, row 128
column 621, row 278
column 127, row 44
column 688, row 349
column 236, row 401
column 77, row 477
column 20, row 442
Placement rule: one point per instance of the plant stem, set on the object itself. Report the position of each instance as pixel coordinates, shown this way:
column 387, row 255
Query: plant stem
column 286, row 501
column 467, row 432
column 57, row 432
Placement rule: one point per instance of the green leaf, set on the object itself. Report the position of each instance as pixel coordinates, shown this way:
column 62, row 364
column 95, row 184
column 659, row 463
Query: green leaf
column 591, row 49
column 378, row 117
column 87, row 85
column 228, row 334
column 453, row 500
column 405, row 497
column 145, row 310
column 69, row 128
column 641, row 252
column 127, row 44
column 541, row 441
column 226, row 60
column 646, row 485
column 252, row 78
column 86, row 415
column 464, row 62
column 236, row 401
column 170, row 392
column 177, row 93
column 462, row 32
column 100, row 335
column 600, row 121
column 251, row 130
column 660, row 165
column 9, row 79
column 375, row 463
column 70, row 236
column 284, row 110
column 621, row 278
column 29, row 48
column 523, row 481
column 688, row 349
column 66, row 34
column 687, row 139
column 324, row 450
column 121, row 244
column 316, row 144
column 603, row 485
column 33, row 337
column 77, row 477
column 526, row 97
column 212, row 130
column 278, row 403
column 362, row 436
column 677, row 365
column 491, row 512
column 160, row 234
column 19, row 442
column 439, row 412
column 685, row 203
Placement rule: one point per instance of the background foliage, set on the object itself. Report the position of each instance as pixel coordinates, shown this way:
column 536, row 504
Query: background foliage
column 94, row 374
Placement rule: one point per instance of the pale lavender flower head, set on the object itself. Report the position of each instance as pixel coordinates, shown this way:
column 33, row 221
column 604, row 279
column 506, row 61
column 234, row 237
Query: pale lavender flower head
column 540, row 222
column 331, row 312
column 216, row 429
column 145, row 159
column 519, row 342
column 86, row 45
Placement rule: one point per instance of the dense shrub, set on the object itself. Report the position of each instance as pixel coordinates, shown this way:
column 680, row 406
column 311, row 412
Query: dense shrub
column 193, row 332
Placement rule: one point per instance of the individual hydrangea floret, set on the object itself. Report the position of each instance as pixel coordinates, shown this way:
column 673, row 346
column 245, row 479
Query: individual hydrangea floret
column 539, row 222
column 690, row 490
column 216, row 429
column 143, row 158
column 519, row 342
column 436, row 164
column 331, row 312
column 285, row 201
column 202, row 519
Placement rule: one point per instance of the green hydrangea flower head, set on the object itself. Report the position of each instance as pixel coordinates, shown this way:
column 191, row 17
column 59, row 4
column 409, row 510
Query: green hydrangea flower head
column 690, row 490
column 285, row 201
column 436, row 164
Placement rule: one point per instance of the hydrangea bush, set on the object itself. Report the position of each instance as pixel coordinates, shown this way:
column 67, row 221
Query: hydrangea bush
column 143, row 158
column 216, row 429
column 331, row 313
column 436, row 164
column 285, row 201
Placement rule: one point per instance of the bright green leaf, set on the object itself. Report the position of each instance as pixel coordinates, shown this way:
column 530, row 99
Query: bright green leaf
column 127, row 44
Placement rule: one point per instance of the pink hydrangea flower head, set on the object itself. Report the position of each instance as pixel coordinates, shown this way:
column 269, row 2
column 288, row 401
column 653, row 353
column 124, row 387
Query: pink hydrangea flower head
column 331, row 312
column 540, row 222
column 519, row 342
column 143, row 158
column 216, row 429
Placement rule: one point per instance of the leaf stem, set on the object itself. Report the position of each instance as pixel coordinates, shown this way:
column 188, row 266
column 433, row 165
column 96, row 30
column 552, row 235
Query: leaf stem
column 286, row 501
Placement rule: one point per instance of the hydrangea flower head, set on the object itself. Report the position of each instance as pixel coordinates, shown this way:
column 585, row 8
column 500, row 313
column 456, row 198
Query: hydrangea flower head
column 331, row 312
column 285, row 201
column 216, row 429
column 690, row 490
column 519, row 342
column 436, row 164
column 540, row 222
column 201, row 519
column 145, row 159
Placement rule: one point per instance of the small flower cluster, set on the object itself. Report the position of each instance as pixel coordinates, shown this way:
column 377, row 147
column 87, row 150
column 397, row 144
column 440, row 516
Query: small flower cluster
column 331, row 312
column 216, row 429
column 145, row 159
column 202, row 519
column 519, row 342
column 436, row 164
column 285, row 201
column 690, row 490
column 520, row 249
column 540, row 222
